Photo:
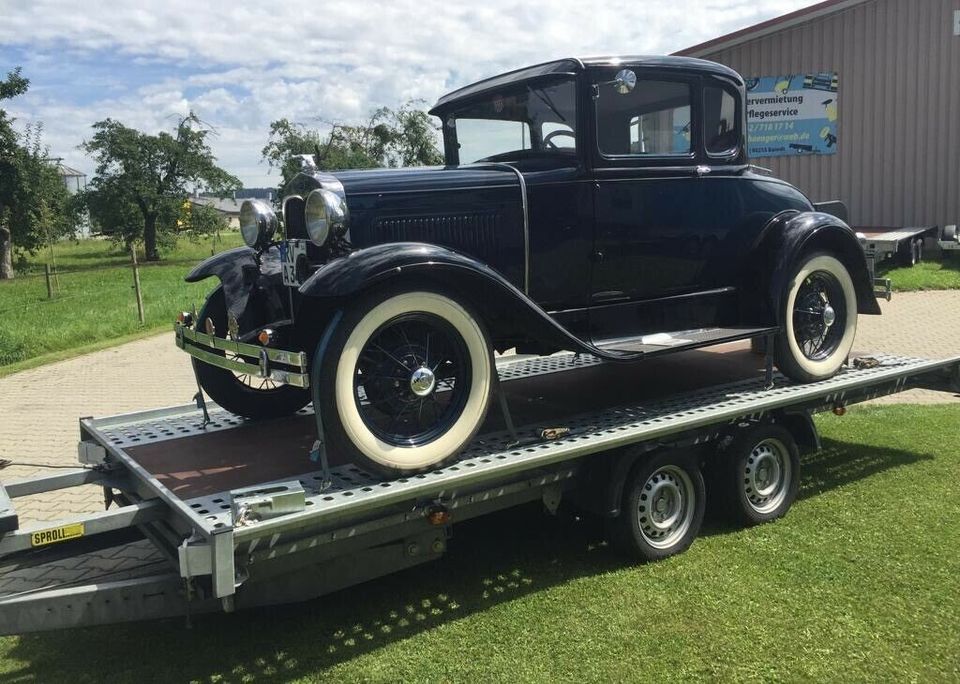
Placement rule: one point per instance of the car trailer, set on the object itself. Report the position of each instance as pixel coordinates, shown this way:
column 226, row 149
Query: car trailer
column 233, row 514
column 904, row 244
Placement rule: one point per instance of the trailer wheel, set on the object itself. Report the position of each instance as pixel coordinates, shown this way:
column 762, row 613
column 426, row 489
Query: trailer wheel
column 662, row 509
column 758, row 475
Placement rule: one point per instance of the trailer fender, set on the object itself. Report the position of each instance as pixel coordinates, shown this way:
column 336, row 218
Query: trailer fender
column 504, row 307
column 800, row 424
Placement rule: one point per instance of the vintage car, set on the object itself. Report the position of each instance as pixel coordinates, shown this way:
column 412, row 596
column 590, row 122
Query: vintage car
column 604, row 206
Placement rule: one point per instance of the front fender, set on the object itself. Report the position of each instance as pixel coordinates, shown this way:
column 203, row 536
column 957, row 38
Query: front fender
column 790, row 235
column 242, row 274
column 502, row 305
column 228, row 264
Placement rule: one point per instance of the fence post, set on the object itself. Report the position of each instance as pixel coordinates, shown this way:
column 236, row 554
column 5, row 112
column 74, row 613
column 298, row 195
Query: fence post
column 136, row 282
column 46, row 271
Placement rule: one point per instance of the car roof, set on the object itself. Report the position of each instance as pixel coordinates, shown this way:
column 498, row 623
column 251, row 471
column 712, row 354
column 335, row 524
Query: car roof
column 573, row 65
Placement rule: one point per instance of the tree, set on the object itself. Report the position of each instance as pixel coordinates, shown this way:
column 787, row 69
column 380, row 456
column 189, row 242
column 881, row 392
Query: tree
column 390, row 138
column 35, row 206
column 142, row 180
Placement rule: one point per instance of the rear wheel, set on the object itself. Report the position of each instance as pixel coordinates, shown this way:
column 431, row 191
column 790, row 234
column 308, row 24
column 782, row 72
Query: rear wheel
column 245, row 395
column 819, row 317
column 662, row 508
column 405, row 381
column 758, row 475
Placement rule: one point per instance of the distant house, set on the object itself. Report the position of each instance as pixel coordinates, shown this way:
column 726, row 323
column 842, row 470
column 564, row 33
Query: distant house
column 74, row 180
column 229, row 208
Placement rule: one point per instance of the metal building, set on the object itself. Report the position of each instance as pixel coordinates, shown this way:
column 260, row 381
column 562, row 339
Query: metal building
column 894, row 157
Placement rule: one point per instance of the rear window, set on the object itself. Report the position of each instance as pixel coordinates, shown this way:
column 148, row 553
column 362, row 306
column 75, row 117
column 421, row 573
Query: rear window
column 721, row 124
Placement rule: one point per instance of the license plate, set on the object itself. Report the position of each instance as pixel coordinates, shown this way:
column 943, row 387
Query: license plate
column 56, row 534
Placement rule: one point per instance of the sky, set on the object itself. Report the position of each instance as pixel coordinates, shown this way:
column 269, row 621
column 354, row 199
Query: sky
column 240, row 65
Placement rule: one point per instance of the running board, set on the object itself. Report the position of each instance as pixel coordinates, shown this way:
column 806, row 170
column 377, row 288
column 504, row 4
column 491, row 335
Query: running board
column 667, row 343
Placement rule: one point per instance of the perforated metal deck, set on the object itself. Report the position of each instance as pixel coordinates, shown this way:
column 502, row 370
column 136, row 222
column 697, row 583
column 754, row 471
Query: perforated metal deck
column 494, row 456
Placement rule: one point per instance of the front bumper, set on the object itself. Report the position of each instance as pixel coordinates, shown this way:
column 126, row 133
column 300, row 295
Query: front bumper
column 278, row 365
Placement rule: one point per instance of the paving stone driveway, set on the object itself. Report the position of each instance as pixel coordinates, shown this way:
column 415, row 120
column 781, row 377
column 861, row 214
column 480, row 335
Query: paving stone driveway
column 40, row 407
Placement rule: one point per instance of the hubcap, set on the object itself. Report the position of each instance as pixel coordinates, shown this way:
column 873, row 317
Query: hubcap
column 412, row 379
column 829, row 316
column 819, row 303
column 422, row 381
column 666, row 506
column 766, row 476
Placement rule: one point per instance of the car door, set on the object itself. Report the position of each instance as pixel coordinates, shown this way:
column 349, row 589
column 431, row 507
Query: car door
column 655, row 229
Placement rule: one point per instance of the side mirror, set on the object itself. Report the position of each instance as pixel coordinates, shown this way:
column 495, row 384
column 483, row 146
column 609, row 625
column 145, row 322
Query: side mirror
column 625, row 81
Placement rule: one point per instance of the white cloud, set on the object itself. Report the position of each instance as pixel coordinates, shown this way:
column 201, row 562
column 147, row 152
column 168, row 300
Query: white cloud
column 240, row 65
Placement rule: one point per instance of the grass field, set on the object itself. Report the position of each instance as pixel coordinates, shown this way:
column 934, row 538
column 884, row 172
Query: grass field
column 857, row 583
column 927, row 275
column 95, row 306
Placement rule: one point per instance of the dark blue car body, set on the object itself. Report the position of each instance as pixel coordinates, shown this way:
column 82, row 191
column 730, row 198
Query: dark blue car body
column 578, row 251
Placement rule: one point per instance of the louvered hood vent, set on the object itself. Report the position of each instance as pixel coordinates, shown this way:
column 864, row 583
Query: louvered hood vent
column 469, row 232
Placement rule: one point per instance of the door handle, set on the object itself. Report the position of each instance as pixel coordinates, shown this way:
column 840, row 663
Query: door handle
column 703, row 170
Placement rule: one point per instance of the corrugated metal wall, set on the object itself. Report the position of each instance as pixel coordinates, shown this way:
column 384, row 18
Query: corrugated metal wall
column 898, row 130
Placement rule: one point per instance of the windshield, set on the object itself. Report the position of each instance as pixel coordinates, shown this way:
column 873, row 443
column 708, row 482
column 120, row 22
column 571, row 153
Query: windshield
column 519, row 121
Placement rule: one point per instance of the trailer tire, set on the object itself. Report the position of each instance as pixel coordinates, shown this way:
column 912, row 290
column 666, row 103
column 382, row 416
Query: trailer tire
column 907, row 253
column 757, row 476
column 663, row 506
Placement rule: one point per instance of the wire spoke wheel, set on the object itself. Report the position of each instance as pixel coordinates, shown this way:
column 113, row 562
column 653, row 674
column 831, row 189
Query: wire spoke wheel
column 254, row 383
column 666, row 506
column 412, row 379
column 766, row 476
column 819, row 305
column 242, row 393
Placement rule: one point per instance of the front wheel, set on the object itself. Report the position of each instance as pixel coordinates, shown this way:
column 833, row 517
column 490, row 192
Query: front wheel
column 243, row 394
column 819, row 317
column 404, row 382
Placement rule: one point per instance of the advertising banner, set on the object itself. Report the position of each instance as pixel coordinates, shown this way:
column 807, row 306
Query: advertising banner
column 792, row 114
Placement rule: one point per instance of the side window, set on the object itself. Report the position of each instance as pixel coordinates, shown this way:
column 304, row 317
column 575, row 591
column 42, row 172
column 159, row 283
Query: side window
column 481, row 138
column 721, row 124
column 653, row 119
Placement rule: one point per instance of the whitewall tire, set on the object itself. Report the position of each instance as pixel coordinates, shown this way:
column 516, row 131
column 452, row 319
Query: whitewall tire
column 819, row 314
column 405, row 381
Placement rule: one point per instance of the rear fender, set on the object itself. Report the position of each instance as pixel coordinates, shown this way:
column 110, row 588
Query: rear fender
column 790, row 235
column 504, row 307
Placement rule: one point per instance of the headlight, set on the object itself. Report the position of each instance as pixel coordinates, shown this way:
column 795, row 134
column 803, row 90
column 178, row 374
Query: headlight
column 258, row 222
column 326, row 215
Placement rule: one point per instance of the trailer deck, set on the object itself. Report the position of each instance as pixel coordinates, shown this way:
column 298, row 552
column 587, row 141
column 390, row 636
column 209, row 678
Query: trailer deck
column 235, row 514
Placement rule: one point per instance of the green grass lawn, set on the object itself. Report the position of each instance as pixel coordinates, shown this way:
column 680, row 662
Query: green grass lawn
column 857, row 583
column 95, row 306
column 927, row 275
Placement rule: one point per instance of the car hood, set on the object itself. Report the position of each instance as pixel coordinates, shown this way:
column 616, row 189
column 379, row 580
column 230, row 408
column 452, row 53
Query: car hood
column 412, row 179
